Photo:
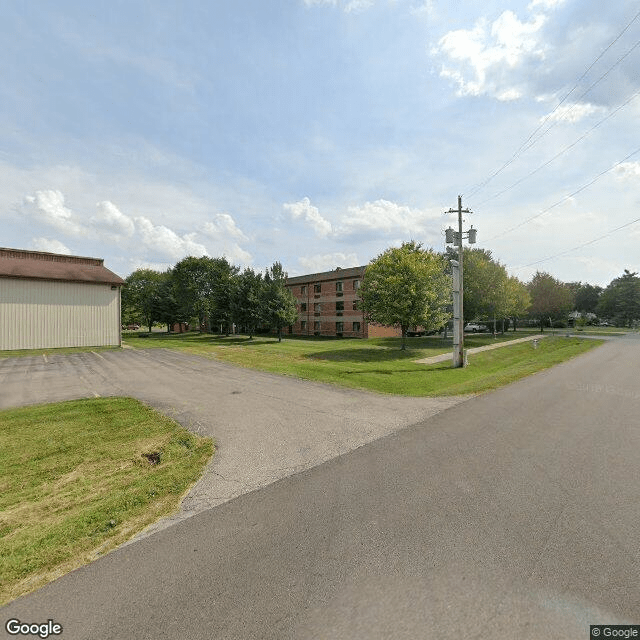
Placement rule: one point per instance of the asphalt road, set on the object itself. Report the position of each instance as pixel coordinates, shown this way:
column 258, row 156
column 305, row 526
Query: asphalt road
column 512, row 515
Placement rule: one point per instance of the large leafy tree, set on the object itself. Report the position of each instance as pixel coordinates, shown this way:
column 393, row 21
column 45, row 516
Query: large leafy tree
column 278, row 303
column 586, row 296
column 550, row 298
column 140, row 297
column 485, row 286
column 518, row 299
column 247, row 301
column 621, row 299
column 223, row 276
column 192, row 285
column 407, row 286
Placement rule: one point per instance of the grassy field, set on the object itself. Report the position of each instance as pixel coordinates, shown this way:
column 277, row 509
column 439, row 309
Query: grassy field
column 78, row 478
column 379, row 364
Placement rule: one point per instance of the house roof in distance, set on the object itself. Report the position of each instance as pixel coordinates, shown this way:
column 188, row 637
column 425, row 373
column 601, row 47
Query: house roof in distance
column 39, row 265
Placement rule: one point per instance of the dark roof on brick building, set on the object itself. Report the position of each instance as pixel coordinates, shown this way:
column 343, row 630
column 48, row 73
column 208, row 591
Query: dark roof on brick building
column 39, row 265
column 336, row 274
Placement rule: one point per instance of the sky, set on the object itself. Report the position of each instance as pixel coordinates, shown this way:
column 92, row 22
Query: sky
column 318, row 133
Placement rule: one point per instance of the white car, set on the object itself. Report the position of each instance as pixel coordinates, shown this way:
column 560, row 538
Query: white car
column 474, row 327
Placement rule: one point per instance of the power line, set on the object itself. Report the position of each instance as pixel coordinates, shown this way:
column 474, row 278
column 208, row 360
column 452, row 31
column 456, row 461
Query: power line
column 582, row 95
column 563, row 151
column 559, row 202
column 580, row 246
column 522, row 148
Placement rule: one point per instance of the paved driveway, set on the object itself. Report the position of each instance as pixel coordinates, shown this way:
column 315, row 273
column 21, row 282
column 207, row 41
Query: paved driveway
column 265, row 427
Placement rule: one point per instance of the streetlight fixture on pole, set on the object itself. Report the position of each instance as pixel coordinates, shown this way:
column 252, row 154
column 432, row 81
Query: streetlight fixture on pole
column 455, row 237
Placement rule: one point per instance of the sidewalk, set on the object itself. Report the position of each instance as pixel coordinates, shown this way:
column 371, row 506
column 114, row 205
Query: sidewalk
column 447, row 356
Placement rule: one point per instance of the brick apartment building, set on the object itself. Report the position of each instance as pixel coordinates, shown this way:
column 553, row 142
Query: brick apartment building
column 328, row 305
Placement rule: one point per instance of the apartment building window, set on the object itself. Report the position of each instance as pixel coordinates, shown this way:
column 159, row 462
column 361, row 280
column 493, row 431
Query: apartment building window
column 303, row 325
column 339, row 287
column 317, row 308
column 340, row 306
column 356, row 285
column 317, row 288
column 316, row 326
column 339, row 328
column 355, row 305
column 356, row 327
column 303, row 306
column 303, row 289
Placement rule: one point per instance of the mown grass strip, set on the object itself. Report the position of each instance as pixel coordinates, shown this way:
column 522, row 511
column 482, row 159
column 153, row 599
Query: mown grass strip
column 78, row 478
column 379, row 364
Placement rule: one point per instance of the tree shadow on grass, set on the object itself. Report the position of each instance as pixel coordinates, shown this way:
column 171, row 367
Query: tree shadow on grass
column 368, row 355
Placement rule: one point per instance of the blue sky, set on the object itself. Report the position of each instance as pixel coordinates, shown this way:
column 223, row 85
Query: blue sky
column 320, row 132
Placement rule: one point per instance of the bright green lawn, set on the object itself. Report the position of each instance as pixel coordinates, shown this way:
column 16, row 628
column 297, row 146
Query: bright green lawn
column 75, row 482
column 379, row 364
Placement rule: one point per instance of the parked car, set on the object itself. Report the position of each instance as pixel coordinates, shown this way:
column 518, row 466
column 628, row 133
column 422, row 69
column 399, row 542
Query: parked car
column 133, row 327
column 474, row 327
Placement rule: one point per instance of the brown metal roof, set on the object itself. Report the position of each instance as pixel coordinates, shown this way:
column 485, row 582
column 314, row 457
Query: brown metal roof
column 38, row 265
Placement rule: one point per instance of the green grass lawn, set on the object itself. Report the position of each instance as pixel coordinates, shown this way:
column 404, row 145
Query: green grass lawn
column 379, row 364
column 78, row 478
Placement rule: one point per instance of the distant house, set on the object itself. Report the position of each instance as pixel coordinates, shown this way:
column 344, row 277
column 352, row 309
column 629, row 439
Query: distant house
column 49, row 300
column 328, row 306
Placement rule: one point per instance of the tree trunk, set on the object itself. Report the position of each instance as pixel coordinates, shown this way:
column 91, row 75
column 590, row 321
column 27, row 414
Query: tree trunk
column 279, row 334
column 541, row 325
column 403, row 328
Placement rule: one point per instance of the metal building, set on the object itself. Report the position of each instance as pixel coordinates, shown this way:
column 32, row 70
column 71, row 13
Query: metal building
column 48, row 300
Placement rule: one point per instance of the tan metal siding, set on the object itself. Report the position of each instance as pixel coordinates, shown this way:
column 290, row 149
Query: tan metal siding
column 38, row 314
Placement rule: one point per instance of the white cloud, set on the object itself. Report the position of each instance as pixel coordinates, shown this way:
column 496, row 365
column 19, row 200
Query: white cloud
column 350, row 6
column 313, row 3
column 223, row 225
column 328, row 261
column 383, row 216
column 488, row 58
column 50, row 245
column 48, row 206
column 628, row 170
column 544, row 4
column 111, row 219
column 305, row 210
column 573, row 112
column 162, row 240
column 357, row 5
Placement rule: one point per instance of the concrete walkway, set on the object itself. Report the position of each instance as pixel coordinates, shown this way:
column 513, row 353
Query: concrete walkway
column 447, row 356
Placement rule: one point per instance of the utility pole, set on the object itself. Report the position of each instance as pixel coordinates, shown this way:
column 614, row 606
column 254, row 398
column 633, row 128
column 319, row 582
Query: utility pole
column 458, row 284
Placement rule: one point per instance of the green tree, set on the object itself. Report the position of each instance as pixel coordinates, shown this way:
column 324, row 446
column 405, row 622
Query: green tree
column 140, row 297
column 223, row 276
column 550, row 298
column 192, row 286
column 247, row 301
column 518, row 299
column 586, row 296
column 621, row 299
column 485, row 286
column 166, row 307
column 279, row 305
column 407, row 286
